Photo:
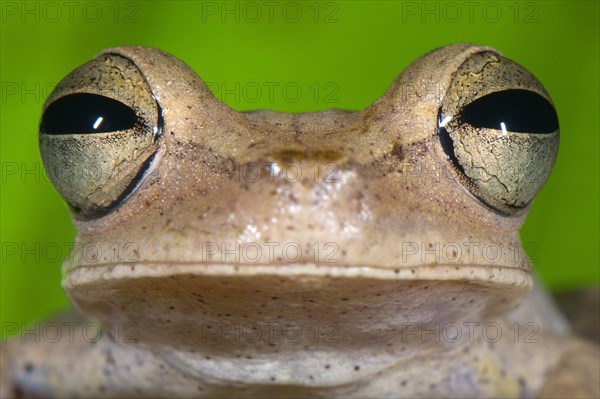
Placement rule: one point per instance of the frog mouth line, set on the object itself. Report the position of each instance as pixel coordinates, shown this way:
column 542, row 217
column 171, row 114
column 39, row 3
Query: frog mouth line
column 506, row 275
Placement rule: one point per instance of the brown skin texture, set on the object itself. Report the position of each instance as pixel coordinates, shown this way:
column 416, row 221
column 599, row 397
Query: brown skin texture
column 581, row 362
column 577, row 306
column 385, row 198
column 576, row 375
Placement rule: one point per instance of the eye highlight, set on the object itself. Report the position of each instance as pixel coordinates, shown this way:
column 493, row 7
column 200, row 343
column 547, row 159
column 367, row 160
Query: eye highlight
column 84, row 113
column 498, row 131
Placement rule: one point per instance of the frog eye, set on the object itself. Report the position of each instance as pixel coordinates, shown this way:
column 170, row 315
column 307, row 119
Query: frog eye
column 99, row 134
column 498, row 131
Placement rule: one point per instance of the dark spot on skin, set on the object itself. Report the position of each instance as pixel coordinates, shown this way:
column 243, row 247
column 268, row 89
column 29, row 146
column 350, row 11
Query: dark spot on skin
column 201, row 300
column 172, row 307
column 274, row 298
column 344, row 299
column 397, row 152
column 403, row 383
column 356, row 368
column 109, row 357
column 272, row 378
column 327, row 366
column 453, row 298
column 28, row 367
column 471, row 301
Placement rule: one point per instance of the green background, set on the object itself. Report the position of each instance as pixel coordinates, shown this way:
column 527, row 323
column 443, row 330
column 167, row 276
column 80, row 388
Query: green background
column 342, row 54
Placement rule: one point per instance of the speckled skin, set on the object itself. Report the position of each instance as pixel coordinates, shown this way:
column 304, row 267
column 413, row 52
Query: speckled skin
column 401, row 255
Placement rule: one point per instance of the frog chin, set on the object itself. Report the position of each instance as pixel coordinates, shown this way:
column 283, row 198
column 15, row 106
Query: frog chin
column 157, row 295
column 288, row 320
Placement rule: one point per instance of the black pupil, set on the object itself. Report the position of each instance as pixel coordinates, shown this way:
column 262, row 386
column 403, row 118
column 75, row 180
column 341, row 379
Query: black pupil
column 515, row 110
column 87, row 113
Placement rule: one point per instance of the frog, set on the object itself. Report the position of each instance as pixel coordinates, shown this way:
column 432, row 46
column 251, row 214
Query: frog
column 371, row 253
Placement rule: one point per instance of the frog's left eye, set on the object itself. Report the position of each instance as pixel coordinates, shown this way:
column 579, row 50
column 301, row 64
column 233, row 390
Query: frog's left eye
column 99, row 134
column 499, row 131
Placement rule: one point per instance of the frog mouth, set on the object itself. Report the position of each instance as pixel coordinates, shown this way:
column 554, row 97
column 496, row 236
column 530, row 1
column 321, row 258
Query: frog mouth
column 508, row 275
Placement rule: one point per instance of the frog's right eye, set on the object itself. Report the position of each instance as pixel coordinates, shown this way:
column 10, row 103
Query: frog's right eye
column 99, row 134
